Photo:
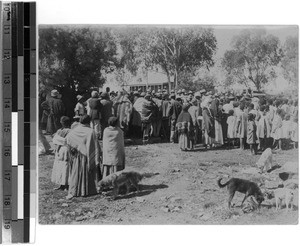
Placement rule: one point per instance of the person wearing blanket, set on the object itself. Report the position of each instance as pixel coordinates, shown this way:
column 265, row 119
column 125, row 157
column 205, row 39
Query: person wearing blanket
column 113, row 148
column 85, row 159
column 60, row 171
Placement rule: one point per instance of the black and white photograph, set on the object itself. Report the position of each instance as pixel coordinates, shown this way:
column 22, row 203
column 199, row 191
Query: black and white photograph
column 168, row 124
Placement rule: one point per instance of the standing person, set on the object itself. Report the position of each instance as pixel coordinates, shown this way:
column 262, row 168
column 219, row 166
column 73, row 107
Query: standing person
column 295, row 110
column 217, row 115
column 122, row 108
column 251, row 133
column 242, row 125
column 60, row 171
column 147, row 114
column 185, row 129
column 165, row 117
column 156, row 123
column 94, row 112
column 136, row 116
column 53, row 110
column 193, row 110
column 294, row 132
column 106, row 111
column 264, row 127
column 174, row 111
column 231, row 133
column 208, row 123
column 80, row 107
column 85, row 159
column 276, row 131
column 286, row 131
column 113, row 148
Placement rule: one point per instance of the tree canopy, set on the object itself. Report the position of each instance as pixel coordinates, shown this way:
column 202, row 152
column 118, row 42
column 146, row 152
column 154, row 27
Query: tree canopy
column 69, row 56
column 290, row 62
column 253, row 58
column 178, row 50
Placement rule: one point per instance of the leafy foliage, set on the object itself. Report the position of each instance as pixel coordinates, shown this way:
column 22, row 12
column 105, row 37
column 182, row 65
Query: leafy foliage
column 178, row 50
column 69, row 56
column 253, row 58
column 290, row 60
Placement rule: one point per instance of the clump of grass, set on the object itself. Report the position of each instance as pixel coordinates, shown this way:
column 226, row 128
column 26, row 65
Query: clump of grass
column 209, row 205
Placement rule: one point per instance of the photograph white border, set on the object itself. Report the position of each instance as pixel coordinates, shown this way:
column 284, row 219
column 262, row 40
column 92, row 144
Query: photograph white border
column 167, row 12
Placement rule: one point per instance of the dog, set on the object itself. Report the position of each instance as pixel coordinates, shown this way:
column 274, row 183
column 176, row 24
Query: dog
column 127, row 178
column 244, row 186
column 265, row 162
column 284, row 194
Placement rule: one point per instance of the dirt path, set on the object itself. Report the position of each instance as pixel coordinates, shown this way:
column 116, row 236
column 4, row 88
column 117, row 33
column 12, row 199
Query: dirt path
column 184, row 192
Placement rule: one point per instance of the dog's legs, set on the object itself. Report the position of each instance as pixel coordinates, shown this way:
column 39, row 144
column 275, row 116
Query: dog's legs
column 246, row 195
column 136, row 185
column 115, row 192
column 231, row 195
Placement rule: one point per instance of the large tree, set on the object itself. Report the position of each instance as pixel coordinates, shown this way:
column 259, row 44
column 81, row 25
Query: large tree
column 290, row 62
column 254, row 57
column 69, row 56
column 178, row 49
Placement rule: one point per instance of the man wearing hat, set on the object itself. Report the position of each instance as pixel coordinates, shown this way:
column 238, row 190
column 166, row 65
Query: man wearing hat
column 156, row 123
column 174, row 111
column 53, row 110
column 80, row 107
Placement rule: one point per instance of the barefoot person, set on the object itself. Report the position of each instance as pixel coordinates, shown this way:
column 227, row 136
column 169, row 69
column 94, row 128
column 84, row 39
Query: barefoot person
column 85, row 159
column 113, row 148
column 60, row 171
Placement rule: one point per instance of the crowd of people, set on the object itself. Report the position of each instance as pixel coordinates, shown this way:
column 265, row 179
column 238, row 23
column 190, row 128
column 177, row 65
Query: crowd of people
column 202, row 118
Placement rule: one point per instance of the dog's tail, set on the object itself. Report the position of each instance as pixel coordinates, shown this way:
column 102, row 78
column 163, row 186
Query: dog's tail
column 222, row 185
column 149, row 175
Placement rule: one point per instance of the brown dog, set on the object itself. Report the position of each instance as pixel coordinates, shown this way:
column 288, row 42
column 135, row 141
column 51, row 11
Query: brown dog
column 120, row 178
column 244, row 186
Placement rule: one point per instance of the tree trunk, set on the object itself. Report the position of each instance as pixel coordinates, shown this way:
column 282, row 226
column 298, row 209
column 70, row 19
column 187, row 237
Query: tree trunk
column 176, row 80
column 169, row 82
column 257, row 85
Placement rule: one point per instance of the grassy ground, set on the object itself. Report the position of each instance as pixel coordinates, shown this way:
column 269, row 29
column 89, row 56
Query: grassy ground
column 185, row 191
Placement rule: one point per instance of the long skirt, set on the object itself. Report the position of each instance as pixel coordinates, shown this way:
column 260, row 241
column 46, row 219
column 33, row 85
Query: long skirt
column 60, row 171
column 218, row 133
column 109, row 169
column 185, row 142
column 82, row 182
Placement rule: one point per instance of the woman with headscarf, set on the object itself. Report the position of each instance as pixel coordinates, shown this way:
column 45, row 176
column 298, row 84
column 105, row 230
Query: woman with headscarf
column 85, row 160
column 185, row 129
column 208, row 122
column 217, row 115
column 113, row 148
column 53, row 110
column 60, row 171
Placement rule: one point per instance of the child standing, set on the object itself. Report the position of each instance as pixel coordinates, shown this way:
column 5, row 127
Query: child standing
column 263, row 127
column 286, row 131
column 277, row 129
column 241, row 128
column 251, row 133
column 294, row 132
column 231, row 133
